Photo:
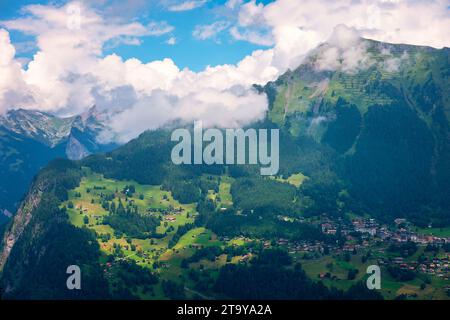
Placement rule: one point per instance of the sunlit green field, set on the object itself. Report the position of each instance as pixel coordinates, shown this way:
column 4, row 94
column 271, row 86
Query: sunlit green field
column 295, row 179
column 88, row 212
column 390, row 288
column 164, row 256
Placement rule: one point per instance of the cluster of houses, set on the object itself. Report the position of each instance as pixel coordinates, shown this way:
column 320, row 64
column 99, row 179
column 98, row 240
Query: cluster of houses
column 369, row 231
column 370, row 228
column 437, row 266
column 400, row 232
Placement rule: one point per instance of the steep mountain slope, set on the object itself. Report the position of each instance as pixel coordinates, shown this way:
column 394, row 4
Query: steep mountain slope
column 385, row 110
column 30, row 139
column 41, row 233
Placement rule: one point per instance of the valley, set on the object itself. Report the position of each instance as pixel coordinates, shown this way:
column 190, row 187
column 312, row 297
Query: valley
column 179, row 252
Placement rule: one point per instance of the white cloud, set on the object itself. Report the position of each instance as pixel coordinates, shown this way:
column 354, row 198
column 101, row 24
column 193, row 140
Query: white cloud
column 251, row 14
column 343, row 51
column 187, row 5
column 208, row 31
column 230, row 108
column 158, row 28
column 393, row 64
column 251, row 36
column 62, row 74
column 232, row 4
column 13, row 90
column 171, row 41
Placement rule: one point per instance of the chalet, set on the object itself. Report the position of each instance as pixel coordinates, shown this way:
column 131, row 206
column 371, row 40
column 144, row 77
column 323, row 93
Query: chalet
column 246, row 257
column 349, row 247
column 326, row 226
column 369, row 230
column 383, row 234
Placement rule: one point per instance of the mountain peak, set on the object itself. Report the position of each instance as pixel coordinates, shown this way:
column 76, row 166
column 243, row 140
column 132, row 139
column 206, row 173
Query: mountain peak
column 40, row 126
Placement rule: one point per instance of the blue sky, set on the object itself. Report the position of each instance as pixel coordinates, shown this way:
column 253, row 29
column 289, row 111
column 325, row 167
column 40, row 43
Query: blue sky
column 246, row 42
column 188, row 51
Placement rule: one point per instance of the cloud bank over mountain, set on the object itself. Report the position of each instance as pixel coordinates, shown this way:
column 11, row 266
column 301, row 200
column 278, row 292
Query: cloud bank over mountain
column 70, row 72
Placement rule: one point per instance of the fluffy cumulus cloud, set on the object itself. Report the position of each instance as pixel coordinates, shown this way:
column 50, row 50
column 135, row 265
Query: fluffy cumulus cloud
column 12, row 87
column 65, row 70
column 159, row 93
column 69, row 72
column 229, row 108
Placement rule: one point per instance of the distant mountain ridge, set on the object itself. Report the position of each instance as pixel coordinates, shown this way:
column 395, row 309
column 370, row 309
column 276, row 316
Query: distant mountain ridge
column 50, row 129
column 31, row 138
column 37, row 125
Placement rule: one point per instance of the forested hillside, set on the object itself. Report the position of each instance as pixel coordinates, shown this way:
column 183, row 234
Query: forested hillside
column 387, row 122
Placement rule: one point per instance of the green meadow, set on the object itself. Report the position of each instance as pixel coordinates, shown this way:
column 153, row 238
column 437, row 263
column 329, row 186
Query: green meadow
column 295, row 179
column 169, row 254
column 84, row 208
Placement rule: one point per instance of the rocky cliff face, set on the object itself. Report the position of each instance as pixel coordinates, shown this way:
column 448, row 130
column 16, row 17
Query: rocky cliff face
column 20, row 221
column 40, row 243
column 75, row 150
